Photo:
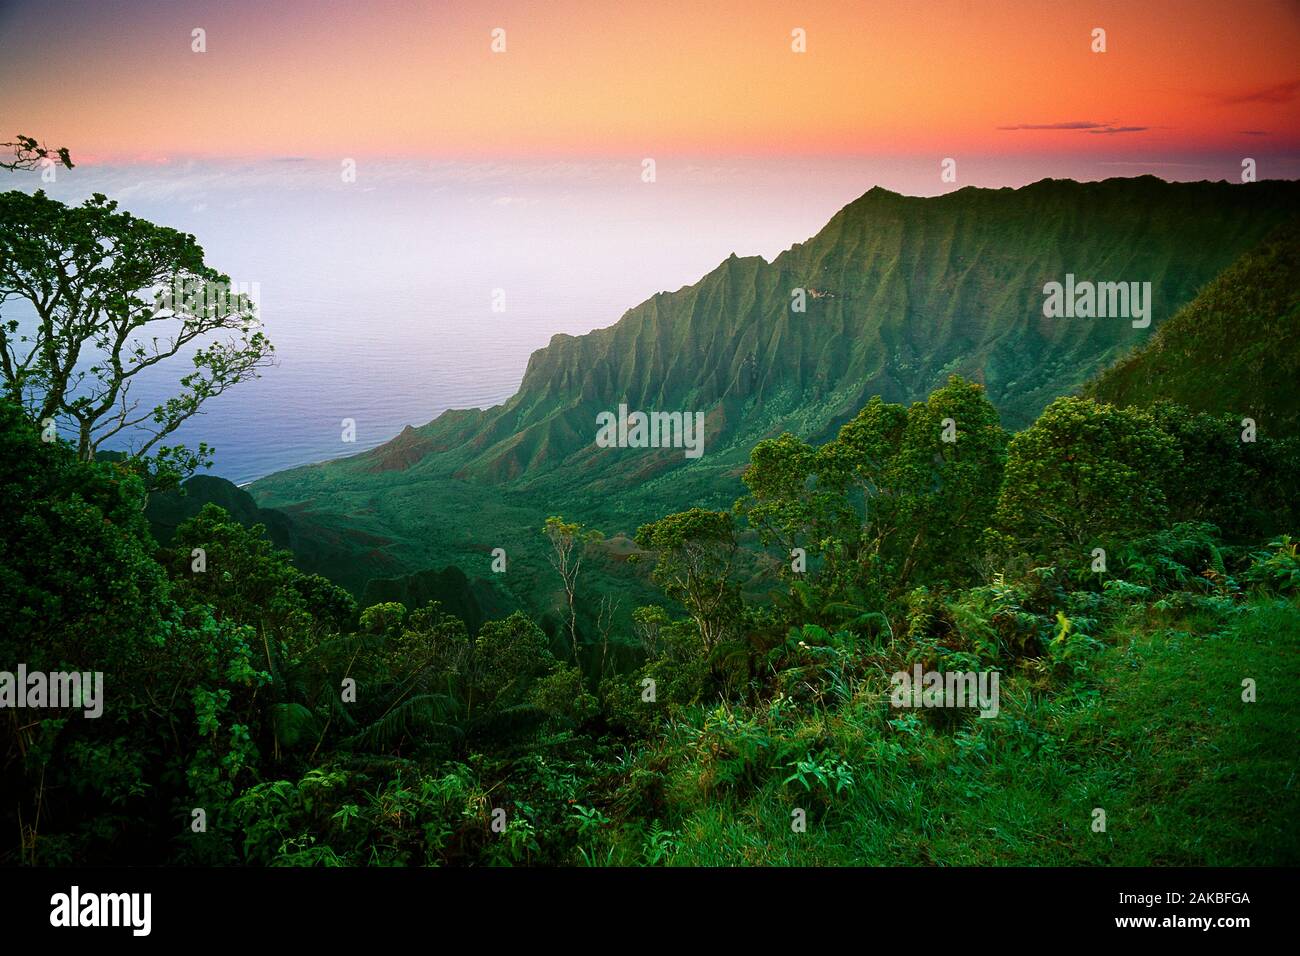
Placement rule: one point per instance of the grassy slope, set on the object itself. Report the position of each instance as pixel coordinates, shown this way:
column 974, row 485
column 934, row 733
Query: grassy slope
column 1188, row 774
column 1234, row 348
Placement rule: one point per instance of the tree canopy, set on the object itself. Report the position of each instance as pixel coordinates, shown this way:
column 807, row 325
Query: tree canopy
column 110, row 296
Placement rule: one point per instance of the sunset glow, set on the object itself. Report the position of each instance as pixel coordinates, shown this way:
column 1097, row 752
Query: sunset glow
column 118, row 79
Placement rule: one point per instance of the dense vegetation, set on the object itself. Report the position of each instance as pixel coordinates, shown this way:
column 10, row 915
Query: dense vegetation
column 310, row 731
column 720, row 686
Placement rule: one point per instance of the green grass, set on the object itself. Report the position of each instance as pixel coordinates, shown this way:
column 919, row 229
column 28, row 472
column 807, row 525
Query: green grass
column 1157, row 736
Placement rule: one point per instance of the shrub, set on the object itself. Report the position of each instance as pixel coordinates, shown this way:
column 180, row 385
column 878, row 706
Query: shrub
column 1277, row 570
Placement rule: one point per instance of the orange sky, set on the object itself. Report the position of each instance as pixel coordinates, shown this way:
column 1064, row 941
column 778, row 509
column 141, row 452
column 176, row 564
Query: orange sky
column 117, row 79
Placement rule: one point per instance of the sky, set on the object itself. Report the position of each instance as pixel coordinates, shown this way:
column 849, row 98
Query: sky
column 119, row 80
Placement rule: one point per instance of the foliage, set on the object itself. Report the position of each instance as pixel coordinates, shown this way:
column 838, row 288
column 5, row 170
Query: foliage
column 29, row 153
column 229, row 666
column 1241, row 486
column 1084, row 475
column 694, row 554
column 93, row 276
column 898, row 495
column 180, row 711
column 1277, row 570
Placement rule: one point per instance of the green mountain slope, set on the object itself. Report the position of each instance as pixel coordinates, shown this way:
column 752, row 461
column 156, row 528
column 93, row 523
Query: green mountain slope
column 166, row 511
column 318, row 549
column 901, row 292
column 1234, row 348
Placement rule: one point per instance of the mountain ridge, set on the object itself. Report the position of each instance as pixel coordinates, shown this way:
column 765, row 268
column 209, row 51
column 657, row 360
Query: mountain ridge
column 900, row 292
column 583, row 370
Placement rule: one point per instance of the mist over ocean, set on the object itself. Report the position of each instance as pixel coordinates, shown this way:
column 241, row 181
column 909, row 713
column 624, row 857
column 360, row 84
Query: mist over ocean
column 378, row 293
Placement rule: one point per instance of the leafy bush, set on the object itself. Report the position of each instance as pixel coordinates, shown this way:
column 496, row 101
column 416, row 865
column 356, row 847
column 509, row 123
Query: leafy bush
column 1277, row 570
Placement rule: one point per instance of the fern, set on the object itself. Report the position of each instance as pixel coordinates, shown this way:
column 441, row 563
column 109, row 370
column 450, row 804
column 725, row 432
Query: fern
column 424, row 712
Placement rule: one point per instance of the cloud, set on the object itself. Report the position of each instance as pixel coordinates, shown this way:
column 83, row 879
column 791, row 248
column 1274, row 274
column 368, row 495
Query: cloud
column 1078, row 124
column 1086, row 126
column 1277, row 93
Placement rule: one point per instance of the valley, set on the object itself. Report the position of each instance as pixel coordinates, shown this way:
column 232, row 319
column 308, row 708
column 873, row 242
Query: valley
column 908, row 291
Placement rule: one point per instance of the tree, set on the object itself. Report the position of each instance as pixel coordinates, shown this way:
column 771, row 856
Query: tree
column 1084, row 473
column 238, row 574
column 115, row 296
column 509, row 654
column 898, row 495
column 569, row 541
column 83, row 592
column 77, row 574
column 945, row 476
column 830, row 501
column 237, row 571
column 1245, row 488
column 695, row 551
column 791, row 503
column 29, row 154
column 647, row 623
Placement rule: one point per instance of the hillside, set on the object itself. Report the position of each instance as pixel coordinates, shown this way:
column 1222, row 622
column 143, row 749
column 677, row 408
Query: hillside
column 166, row 511
column 1234, row 348
column 901, row 292
column 317, row 549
